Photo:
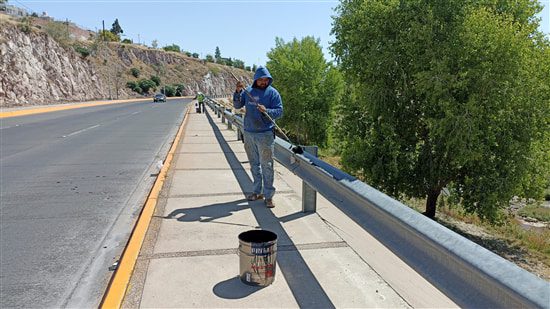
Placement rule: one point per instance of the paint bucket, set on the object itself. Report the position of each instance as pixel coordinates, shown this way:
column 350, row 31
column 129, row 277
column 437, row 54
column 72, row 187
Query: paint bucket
column 257, row 257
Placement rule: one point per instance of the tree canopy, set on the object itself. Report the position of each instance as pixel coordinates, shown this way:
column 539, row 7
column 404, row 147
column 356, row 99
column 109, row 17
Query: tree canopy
column 173, row 47
column 451, row 94
column 116, row 29
column 217, row 54
column 308, row 85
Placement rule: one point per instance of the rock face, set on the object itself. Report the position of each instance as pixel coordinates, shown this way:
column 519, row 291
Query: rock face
column 37, row 70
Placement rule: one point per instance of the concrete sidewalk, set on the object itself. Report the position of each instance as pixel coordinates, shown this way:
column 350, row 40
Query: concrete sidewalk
column 189, row 257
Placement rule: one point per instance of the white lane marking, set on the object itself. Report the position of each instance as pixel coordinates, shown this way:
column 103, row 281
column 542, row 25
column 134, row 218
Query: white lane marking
column 10, row 127
column 80, row 131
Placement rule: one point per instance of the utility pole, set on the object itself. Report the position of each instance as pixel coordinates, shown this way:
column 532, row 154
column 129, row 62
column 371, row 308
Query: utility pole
column 103, row 32
column 139, row 41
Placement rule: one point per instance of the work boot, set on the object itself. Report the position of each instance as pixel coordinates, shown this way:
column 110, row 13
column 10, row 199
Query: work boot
column 254, row 197
column 269, row 203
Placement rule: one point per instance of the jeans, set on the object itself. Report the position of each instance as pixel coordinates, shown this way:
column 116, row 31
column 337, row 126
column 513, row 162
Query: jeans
column 259, row 149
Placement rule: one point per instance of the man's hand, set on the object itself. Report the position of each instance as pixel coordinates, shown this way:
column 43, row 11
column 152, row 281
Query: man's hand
column 239, row 87
column 262, row 108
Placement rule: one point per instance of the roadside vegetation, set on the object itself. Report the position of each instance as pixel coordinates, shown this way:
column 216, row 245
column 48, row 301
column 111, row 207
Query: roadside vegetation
column 425, row 98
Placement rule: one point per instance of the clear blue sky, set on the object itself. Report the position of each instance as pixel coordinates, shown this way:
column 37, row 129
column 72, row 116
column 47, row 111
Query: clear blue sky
column 244, row 29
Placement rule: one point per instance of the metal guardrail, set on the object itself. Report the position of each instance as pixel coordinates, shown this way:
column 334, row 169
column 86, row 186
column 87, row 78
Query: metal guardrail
column 469, row 274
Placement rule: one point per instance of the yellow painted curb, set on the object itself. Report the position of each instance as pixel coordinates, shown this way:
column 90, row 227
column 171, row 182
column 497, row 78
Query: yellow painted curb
column 114, row 296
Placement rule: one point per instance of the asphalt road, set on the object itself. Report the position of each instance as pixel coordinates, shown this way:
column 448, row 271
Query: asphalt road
column 72, row 185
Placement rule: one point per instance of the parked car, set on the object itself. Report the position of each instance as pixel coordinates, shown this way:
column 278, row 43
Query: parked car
column 159, row 97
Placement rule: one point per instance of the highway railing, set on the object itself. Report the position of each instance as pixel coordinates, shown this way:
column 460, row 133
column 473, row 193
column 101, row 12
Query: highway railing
column 469, row 274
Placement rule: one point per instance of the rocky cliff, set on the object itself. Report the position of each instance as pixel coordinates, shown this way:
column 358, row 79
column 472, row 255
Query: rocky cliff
column 35, row 69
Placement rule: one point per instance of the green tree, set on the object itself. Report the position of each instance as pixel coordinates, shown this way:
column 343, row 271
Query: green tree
column 238, row 64
column 217, row 54
column 209, row 58
column 308, row 85
column 134, row 86
column 116, row 29
column 445, row 94
column 156, row 80
column 180, row 89
column 169, row 90
column 195, row 55
column 147, row 84
column 173, row 47
column 155, row 44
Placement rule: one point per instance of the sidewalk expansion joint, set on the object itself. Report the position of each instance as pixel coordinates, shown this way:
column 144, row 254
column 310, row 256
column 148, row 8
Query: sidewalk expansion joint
column 222, row 194
column 280, row 248
column 209, row 169
column 210, row 152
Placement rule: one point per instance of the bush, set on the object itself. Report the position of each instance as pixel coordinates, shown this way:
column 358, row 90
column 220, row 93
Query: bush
column 26, row 25
column 132, row 85
column 173, row 47
column 195, row 55
column 156, row 80
column 169, row 90
column 84, row 52
column 135, row 72
column 127, row 41
column 147, row 84
column 107, row 35
column 180, row 88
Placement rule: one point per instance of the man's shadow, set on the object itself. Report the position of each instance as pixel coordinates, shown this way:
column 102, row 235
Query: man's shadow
column 208, row 213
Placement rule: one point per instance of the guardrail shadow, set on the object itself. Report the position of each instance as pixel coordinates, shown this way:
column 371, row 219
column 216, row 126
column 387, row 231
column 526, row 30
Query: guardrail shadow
column 302, row 282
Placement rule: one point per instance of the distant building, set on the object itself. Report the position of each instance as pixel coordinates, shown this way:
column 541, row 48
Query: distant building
column 13, row 10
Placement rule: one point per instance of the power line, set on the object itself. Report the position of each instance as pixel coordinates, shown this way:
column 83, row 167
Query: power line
column 28, row 8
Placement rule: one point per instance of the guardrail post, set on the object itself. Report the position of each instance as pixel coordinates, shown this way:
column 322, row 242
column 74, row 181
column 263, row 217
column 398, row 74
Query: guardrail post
column 240, row 136
column 218, row 111
column 229, row 120
column 309, row 195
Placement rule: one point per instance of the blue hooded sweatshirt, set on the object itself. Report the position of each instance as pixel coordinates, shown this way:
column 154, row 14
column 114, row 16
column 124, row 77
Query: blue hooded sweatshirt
column 269, row 97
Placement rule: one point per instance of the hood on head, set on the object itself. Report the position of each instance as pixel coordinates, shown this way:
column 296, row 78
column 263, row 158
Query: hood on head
column 262, row 72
